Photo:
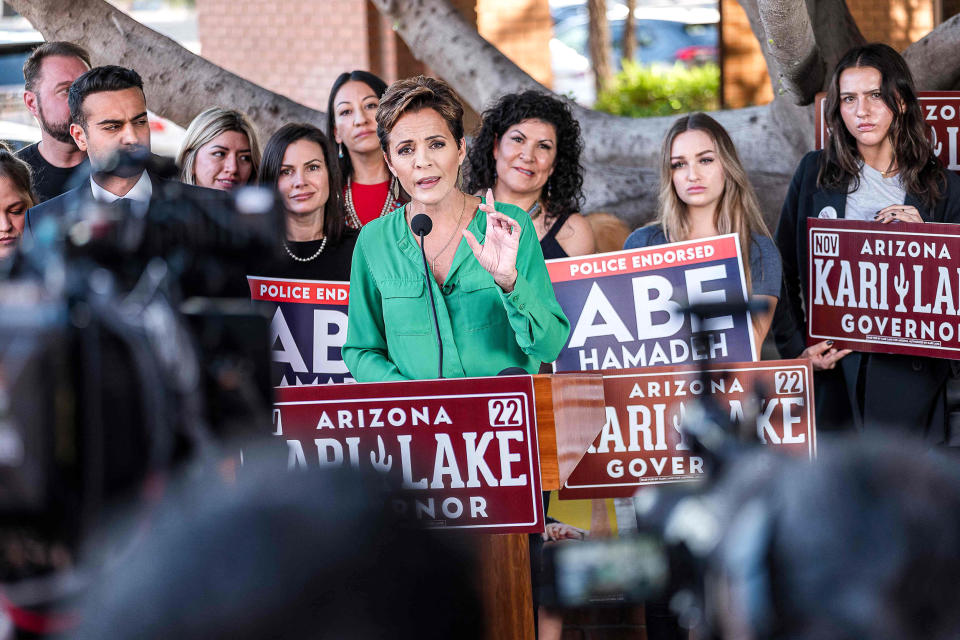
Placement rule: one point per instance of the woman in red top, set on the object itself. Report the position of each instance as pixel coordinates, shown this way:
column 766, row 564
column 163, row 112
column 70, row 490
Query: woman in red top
column 369, row 189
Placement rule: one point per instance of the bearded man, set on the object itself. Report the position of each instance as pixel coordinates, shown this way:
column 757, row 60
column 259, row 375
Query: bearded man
column 48, row 74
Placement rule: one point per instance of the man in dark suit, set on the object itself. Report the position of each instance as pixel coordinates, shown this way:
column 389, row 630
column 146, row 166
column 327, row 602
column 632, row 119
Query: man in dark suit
column 108, row 115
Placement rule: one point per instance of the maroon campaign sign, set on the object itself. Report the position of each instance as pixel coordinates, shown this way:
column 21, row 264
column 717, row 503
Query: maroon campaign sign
column 941, row 112
column 463, row 450
column 625, row 307
column 641, row 443
column 308, row 327
column 890, row 288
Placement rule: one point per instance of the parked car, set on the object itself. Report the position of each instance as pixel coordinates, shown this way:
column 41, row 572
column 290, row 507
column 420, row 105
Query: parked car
column 665, row 35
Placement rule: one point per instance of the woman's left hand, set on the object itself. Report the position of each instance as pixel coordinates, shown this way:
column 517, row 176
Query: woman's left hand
column 562, row 531
column 498, row 253
column 898, row 213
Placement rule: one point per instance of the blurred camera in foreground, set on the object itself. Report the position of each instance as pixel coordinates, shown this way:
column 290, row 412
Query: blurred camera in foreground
column 863, row 542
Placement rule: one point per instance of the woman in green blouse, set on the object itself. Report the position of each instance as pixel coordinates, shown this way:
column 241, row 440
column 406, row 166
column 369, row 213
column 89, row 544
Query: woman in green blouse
column 493, row 297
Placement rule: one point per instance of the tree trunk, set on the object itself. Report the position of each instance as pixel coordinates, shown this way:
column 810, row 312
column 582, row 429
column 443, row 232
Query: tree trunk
column 792, row 44
column 177, row 83
column 630, row 31
column 599, row 40
column 620, row 154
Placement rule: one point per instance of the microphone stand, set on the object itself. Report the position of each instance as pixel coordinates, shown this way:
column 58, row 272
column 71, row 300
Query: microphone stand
column 422, row 230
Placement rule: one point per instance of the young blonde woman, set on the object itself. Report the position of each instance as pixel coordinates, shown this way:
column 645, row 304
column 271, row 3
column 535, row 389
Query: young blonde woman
column 704, row 192
column 220, row 150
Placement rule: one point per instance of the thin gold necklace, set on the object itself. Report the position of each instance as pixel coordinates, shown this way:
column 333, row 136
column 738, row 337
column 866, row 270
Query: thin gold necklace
column 436, row 257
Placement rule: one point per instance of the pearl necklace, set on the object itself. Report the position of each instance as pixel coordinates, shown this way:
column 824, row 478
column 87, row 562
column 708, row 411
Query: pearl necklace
column 323, row 245
column 353, row 219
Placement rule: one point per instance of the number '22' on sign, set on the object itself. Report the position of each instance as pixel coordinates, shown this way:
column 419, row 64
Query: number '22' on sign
column 505, row 412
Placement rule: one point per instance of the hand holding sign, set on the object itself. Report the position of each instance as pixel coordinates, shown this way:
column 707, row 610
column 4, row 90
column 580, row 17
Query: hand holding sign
column 562, row 531
column 498, row 253
column 823, row 356
column 898, row 213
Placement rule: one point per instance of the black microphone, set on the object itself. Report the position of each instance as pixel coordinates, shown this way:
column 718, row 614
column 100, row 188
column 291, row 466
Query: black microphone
column 132, row 160
column 422, row 225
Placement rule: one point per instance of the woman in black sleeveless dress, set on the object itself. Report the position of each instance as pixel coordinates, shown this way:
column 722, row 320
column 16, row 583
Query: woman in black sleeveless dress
column 528, row 151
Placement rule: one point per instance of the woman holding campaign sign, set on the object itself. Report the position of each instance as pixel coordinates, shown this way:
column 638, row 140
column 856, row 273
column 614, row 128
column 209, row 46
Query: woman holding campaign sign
column 299, row 164
column 528, row 151
column 876, row 166
column 704, row 192
column 485, row 278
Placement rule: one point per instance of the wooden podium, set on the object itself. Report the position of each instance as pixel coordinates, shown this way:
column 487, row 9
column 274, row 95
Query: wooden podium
column 409, row 428
column 570, row 413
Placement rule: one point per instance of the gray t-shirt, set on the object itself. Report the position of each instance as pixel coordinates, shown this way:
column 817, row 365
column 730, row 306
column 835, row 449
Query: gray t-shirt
column 875, row 193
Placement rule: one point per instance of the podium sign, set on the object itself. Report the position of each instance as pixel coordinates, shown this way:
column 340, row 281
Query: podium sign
column 890, row 288
column 463, row 450
column 308, row 326
column 641, row 442
column 625, row 307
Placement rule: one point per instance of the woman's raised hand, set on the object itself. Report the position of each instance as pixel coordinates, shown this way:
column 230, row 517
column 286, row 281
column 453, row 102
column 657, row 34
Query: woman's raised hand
column 498, row 253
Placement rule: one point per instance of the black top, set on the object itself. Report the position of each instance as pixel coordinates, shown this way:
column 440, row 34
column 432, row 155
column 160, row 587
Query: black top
column 551, row 248
column 866, row 390
column 48, row 181
column 333, row 264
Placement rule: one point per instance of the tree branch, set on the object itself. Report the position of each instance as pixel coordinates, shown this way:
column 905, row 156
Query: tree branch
column 621, row 155
column 793, row 46
column 835, row 31
column 933, row 58
column 177, row 83
column 440, row 36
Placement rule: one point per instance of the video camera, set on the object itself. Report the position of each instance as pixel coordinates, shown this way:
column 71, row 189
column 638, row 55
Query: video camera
column 681, row 529
column 127, row 346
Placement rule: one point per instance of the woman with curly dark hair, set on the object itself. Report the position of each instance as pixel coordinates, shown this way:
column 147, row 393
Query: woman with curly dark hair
column 528, row 151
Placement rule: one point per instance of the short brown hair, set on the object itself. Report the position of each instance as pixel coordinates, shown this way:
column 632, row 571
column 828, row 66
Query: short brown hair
column 17, row 171
column 31, row 68
column 413, row 94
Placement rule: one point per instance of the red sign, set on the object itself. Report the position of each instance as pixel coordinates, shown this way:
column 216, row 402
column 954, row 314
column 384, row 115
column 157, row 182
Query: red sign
column 891, row 288
column 641, row 442
column 646, row 259
column 464, row 451
column 941, row 111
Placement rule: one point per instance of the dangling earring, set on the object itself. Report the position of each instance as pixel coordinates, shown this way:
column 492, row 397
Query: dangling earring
column 341, row 150
column 394, row 188
column 460, row 177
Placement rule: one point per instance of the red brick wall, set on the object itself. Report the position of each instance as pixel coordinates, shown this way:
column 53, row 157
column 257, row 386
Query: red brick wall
column 895, row 22
column 294, row 49
column 521, row 29
column 745, row 78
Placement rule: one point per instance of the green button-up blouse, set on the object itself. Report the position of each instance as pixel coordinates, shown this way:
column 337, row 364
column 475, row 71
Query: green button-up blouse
column 390, row 333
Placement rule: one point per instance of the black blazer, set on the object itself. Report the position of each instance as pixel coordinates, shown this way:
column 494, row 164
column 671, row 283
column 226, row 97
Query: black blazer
column 68, row 201
column 203, row 274
column 902, row 390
